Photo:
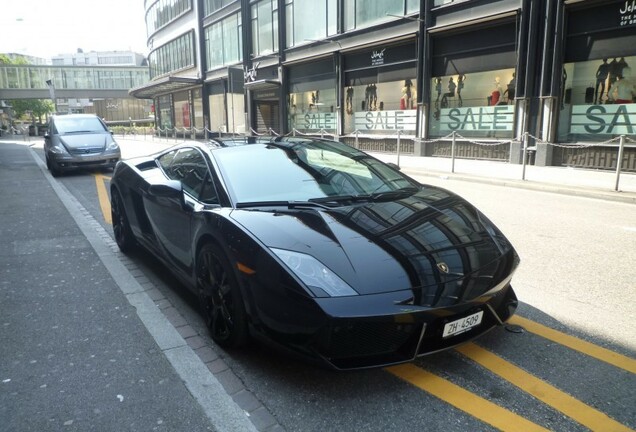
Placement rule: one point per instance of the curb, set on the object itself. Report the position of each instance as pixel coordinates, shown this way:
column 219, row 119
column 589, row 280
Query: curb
column 623, row 197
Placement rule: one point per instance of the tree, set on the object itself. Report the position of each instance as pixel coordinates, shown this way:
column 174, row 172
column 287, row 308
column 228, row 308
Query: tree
column 37, row 107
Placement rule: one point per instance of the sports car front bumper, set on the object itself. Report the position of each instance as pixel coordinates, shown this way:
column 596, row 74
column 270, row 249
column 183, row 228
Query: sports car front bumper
column 350, row 342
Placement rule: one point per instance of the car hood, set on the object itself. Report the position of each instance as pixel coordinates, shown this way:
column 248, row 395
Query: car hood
column 433, row 243
column 85, row 141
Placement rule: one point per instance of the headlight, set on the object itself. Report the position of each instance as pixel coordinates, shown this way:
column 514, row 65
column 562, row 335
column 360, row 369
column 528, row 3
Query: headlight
column 112, row 146
column 57, row 150
column 314, row 273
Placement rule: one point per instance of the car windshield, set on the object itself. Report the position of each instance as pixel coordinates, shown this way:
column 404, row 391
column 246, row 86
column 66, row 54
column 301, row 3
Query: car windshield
column 65, row 125
column 306, row 170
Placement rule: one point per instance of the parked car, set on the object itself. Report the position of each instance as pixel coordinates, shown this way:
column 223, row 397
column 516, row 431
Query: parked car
column 76, row 141
column 317, row 247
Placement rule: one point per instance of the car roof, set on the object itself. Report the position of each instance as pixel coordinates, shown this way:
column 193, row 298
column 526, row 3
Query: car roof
column 236, row 141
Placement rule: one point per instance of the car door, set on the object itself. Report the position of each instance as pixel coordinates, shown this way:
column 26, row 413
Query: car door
column 171, row 222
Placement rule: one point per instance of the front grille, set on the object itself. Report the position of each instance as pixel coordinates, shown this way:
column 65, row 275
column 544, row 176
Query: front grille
column 86, row 151
column 351, row 339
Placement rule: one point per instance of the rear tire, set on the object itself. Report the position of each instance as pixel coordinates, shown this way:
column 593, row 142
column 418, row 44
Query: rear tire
column 221, row 299
column 121, row 227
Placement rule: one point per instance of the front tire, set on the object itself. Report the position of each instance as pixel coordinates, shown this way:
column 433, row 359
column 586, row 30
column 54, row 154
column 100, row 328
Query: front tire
column 121, row 227
column 221, row 298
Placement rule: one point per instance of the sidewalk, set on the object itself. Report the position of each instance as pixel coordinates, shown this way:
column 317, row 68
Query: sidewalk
column 589, row 183
column 83, row 345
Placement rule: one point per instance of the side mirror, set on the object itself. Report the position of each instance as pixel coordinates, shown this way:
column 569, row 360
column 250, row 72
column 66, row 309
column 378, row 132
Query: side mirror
column 170, row 189
column 47, row 135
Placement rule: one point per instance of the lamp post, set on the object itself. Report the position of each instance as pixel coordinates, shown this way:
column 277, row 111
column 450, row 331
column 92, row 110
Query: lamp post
column 52, row 93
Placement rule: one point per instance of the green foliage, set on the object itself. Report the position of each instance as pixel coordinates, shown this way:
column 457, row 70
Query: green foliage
column 4, row 59
column 38, row 107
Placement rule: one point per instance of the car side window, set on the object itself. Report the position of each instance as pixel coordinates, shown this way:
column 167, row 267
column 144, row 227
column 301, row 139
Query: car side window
column 165, row 161
column 190, row 168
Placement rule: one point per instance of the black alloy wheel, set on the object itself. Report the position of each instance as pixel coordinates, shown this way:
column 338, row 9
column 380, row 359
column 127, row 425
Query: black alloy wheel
column 220, row 298
column 121, row 228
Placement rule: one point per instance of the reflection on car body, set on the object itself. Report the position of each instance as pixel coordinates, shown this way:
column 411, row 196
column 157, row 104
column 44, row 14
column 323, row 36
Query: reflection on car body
column 317, row 247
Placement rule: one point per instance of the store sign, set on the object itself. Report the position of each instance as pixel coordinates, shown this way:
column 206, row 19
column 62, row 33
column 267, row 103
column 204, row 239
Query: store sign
column 385, row 120
column 616, row 119
column 488, row 118
column 317, row 121
column 377, row 57
column 628, row 13
column 249, row 75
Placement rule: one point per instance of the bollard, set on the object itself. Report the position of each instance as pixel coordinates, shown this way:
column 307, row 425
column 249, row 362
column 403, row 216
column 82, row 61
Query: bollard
column 398, row 148
column 619, row 161
column 453, row 152
column 525, row 155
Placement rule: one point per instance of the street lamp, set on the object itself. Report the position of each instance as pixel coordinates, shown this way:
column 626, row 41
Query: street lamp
column 52, row 93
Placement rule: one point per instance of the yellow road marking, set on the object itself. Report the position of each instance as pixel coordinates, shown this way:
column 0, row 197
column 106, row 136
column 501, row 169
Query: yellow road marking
column 102, row 195
column 464, row 400
column 546, row 393
column 576, row 344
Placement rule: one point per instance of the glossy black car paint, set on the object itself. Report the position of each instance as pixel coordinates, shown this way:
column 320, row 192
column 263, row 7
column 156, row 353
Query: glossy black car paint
column 417, row 262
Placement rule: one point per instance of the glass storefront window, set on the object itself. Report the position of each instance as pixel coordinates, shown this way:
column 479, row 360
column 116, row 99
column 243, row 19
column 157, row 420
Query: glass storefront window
column 479, row 104
column 313, row 111
column 598, row 99
column 375, row 106
column 165, row 112
column 182, row 110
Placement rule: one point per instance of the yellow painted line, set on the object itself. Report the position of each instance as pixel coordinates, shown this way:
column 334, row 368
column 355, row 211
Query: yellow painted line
column 546, row 393
column 464, row 400
column 577, row 344
column 102, row 195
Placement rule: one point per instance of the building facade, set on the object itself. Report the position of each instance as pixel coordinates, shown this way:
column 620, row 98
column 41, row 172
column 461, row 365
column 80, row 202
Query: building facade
column 417, row 71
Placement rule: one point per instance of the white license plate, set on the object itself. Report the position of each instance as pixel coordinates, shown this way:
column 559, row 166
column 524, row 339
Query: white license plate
column 461, row 325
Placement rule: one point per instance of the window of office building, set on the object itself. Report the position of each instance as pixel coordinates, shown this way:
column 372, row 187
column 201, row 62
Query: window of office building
column 473, row 85
column 310, row 20
column 380, row 86
column 164, row 11
column 312, row 97
column 211, row 6
column 173, row 56
column 365, row 13
column 265, row 27
column 599, row 74
column 223, row 42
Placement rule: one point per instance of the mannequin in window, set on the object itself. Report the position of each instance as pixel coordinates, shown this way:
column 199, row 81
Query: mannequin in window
column 373, row 96
column 601, row 76
column 614, row 70
column 624, row 90
column 438, row 90
column 496, row 93
column 349, row 100
column 451, row 92
column 460, row 85
column 510, row 90
column 406, row 102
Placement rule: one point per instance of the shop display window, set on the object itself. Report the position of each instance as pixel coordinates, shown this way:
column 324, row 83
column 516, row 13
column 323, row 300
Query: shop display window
column 313, row 111
column 479, row 104
column 597, row 100
column 380, row 108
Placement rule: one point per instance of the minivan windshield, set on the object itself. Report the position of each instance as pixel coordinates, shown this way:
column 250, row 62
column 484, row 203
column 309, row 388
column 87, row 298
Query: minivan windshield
column 65, row 125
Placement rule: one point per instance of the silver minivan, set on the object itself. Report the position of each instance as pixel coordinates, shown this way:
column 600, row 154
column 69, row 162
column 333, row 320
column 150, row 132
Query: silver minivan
column 76, row 141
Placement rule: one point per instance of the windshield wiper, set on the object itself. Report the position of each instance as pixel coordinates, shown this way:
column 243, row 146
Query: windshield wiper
column 394, row 194
column 288, row 204
column 341, row 198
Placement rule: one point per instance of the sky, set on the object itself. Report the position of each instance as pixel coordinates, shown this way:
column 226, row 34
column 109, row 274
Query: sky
column 46, row 28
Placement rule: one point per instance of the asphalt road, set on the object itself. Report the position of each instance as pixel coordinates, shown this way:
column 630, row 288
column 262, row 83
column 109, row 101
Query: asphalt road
column 572, row 369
